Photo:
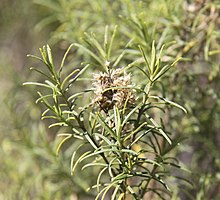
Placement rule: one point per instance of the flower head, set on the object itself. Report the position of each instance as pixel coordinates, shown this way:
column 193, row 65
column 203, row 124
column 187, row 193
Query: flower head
column 113, row 88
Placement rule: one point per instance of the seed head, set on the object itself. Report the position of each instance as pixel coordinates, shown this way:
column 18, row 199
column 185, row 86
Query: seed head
column 113, row 88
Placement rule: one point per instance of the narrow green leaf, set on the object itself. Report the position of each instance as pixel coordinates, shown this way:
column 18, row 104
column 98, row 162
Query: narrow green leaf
column 162, row 39
column 140, row 136
column 153, row 57
column 106, row 127
column 78, row 161
column 45, row 96
column 111, row 43
column 159, row 129
column 58, row 124
column 121, row 196
column 92, row 121
column 113, row 197
column 73, row 156
column 79, row 74
column 64, row 58
column 121, row 176
column 68, row 77
column 106, row 42
column 157, row 67
column 169, row 102
column 135, row 131
column 118, row 59
column 72, row 161
column 44, row 74
column 44, row 56
column 49, row 117
column 146, row 61
column 96, row 44
column 99, row 177
column 117, row 123
column 107, row 189
column 94, row 164
column 36, row 57
column 79, row 94
column 104, row 138
column 37, row 84
column 51, row 85
column 89, row 139
column 61, row 143
column 50, row 57
column 45, row 102
column 155, row 177
column 64, row 134
column 97, row 152
column 145, row 73
column 128, row 151
column 132, row 191
column 130, row 114
column 177, row 60
column 45, row 112
column 91, row 54
column 184, row 179
column 175, row 142
column 163, row 70
column 152, row 162
column 113, row 161
column 213, row 52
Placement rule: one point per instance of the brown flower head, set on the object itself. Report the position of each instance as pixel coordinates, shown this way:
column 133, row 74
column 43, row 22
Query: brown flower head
column 113, row 89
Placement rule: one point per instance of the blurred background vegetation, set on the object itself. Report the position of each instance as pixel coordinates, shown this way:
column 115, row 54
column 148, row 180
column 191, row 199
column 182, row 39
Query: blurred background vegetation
column 29, row 167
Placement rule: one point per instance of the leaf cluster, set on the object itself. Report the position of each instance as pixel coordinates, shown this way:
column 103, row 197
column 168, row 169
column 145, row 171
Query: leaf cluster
column 127, row 144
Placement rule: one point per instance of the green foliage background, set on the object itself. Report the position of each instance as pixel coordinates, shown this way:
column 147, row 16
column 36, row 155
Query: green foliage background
column 29, row 167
